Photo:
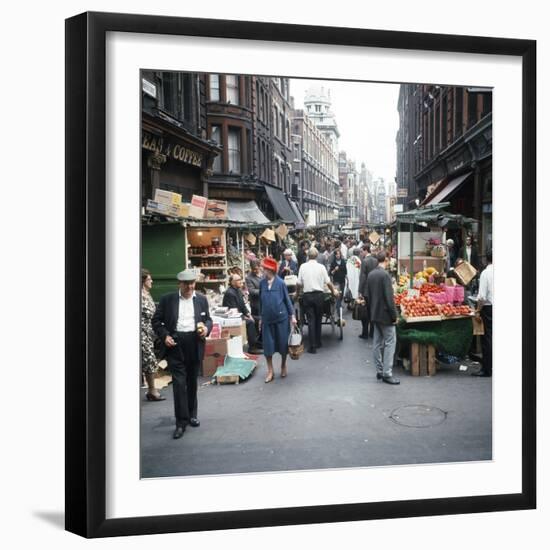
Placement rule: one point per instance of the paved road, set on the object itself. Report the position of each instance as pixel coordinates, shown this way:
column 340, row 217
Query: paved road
column 330, row 412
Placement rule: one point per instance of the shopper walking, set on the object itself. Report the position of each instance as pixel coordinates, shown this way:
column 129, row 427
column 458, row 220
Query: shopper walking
column 368, row 263
column 383, row 315
column 313, row 278
column 149, row 364
column 276, row 314
column 182, row 322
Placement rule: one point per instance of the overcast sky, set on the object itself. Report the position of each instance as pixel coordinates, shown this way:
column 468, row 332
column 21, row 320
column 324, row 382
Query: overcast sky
column 367, row 118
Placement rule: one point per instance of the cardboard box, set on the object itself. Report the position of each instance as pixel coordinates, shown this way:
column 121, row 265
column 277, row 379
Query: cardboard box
column 465, row 272
column 216, row 209
column 227, row 321
column 210, row 365
column 167, row 197
column 197, row 209
column 215, row 347
column 230, row 332
column 164, row 209
column 184, row 209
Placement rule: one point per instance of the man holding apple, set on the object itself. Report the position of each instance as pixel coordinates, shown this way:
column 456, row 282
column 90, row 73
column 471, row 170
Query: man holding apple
column 182, row 321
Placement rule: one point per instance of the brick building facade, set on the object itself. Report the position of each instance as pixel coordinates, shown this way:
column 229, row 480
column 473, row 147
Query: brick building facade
column 444, row 150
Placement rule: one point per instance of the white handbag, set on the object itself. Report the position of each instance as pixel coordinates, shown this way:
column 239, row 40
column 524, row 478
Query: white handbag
column 291, row 280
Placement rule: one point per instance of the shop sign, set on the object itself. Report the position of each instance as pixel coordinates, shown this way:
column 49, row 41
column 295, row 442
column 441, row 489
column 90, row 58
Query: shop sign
column 402, row 192
column 149, row 88
column 178, row 152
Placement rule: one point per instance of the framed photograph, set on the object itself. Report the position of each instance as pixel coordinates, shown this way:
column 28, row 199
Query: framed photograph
column 279, row 275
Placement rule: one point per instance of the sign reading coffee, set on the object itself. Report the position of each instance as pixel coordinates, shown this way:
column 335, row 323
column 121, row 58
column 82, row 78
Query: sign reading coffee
column 171, row 150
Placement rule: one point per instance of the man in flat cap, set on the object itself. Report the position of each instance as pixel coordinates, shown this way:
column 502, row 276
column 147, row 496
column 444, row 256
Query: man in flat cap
column 182, row 322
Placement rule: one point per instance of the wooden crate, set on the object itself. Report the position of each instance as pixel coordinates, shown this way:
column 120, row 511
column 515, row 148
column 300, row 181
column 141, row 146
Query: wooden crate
column 228, row 379
column 422, row 360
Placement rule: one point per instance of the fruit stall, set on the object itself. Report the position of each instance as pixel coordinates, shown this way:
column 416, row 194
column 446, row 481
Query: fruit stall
column 433, row 317
column 421, row 237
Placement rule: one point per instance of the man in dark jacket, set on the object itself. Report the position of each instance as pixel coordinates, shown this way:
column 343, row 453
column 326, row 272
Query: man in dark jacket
column 368, row 263
column 233, row 299
column 469, row 253
column 383, row 315
column 253, row 286
column 182, row 322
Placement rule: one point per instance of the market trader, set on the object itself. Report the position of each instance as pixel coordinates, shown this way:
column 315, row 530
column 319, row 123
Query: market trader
column 313, row 277
column 233, row 299
column 383, row 315
column 182, row 322
column 485, row 308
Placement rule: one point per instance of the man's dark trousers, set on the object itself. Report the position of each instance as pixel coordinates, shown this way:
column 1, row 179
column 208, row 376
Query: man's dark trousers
column 184, row 365
column 313, row 307
column 487, row 340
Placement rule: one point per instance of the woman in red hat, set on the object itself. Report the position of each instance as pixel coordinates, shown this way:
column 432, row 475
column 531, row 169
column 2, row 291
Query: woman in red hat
column 276, row 314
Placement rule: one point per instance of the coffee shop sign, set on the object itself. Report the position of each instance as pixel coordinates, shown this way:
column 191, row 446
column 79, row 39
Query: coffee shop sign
column 171, row 150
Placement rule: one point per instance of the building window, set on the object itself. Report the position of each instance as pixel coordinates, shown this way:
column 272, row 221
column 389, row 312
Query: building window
column 472, row 109
column 173, row 94
column 437, row 128
column 444, row 122
column 487, row 103
column 232, row 89
column 214, row 87
column 459, row 94
column 234, row 150
column 282, row 127
column 216, row 135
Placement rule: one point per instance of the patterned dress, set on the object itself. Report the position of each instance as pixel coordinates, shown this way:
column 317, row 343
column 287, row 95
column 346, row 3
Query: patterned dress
column 148, row 359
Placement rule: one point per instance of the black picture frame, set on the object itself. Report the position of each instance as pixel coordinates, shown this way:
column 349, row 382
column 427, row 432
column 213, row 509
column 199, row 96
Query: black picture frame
column 86, row 262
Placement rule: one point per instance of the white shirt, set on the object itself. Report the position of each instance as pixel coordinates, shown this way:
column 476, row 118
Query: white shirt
column 469, row 254
column 344, row 250
column 186, row 315
column 486, row 285
column 313, row 276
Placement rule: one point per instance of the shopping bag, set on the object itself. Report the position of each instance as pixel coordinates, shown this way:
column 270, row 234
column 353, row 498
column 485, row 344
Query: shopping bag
column 295, row 343
column 348, row 296
column 291, row 280
column 360, row 311
column 479, row 328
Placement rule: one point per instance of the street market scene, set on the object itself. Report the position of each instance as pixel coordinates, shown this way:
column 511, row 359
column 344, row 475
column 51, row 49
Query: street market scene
column 317, row 278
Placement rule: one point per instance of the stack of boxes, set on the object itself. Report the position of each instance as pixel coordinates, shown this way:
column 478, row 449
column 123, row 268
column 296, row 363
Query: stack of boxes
column 169, row 204
column 215, row 348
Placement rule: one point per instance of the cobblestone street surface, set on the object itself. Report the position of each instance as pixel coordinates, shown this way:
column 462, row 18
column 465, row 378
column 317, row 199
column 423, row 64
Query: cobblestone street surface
column 330, row 412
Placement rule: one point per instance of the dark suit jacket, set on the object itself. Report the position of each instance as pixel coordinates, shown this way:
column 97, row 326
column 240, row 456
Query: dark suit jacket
column 474, row 256
column 367, row 265
column 233, row 298
column 165, row 319
column 380, row 297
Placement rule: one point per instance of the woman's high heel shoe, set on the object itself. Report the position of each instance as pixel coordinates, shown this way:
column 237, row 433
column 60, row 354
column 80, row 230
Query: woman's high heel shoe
column 151, row 397
column 269, row 378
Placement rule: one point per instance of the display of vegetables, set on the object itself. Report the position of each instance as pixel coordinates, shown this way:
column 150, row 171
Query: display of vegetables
column 420, row 306
column 447, row 310
column 398, row 298
column 429, row 287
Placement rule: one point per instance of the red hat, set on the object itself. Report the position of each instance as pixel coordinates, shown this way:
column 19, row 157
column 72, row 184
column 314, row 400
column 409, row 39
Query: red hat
column 269, row 263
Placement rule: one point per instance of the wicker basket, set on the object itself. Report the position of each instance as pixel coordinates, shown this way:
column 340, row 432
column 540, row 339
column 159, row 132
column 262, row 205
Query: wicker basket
column 439, row 251
column 295, row 351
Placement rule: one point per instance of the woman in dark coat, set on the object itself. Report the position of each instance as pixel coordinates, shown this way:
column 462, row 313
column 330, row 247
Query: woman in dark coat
column 276, row 314
column 338, row 271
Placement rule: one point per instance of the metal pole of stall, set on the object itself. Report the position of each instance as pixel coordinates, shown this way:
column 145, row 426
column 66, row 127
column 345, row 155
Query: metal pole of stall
column 242, row 250
column 411, row 254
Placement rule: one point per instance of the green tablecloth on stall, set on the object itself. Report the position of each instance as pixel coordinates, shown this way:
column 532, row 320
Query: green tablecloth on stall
column 453, row 336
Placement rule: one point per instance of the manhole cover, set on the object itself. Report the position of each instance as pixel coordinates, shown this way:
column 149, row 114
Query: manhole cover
column 418, row 416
